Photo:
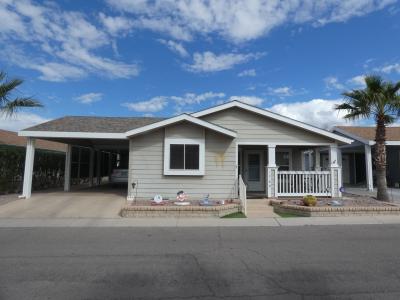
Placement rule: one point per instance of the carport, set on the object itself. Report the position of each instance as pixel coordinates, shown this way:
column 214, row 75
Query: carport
column 102, row 138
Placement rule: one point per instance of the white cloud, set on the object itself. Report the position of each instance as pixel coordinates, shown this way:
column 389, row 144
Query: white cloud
column 182, row 103
column 239, row 20
column 318, row 112
column 89, row 98
column 248, row 73
column 390, row 68
column 175, row 47
column 281, row 92
column 251, row 100
column 192, row 98
column 332, row 83
column 20, row 120
column 210, row 62
column 357, row 81
column 116, row 25
column 51, row 40
column 155, row 104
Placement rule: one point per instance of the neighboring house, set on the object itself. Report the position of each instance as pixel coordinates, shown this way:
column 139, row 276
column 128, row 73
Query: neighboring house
column 357, row 164
column 206, row 152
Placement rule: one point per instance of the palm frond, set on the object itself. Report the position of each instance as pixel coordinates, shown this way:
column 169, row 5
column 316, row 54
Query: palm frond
column 7, row 87
column 11, row 107
column 2, row 75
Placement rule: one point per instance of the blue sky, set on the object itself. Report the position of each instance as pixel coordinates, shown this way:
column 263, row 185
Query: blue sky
column 136, row 58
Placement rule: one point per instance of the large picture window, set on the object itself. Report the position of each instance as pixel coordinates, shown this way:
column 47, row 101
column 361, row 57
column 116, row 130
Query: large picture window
column 184, row 157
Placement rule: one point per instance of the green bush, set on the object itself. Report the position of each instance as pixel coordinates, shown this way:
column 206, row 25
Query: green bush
column 310, row 200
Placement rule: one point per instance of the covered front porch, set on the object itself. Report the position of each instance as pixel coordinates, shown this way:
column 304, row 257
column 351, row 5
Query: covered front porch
column 289, row 170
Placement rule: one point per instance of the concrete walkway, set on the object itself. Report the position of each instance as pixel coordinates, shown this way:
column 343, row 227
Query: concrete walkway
column 197, row 222
column 260, row 208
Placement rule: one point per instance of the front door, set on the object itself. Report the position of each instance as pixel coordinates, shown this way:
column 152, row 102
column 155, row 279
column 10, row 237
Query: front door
column 254, row 170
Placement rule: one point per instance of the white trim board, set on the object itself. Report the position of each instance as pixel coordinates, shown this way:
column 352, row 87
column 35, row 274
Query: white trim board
column 273, row 116
column 180, row 118
column 72, row 135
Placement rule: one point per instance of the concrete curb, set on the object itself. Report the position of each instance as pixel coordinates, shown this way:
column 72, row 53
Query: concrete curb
column 196, row 222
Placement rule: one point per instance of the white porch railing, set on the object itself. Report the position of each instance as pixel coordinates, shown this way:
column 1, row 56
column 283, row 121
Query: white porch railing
column 301, row 183
column 242, row 194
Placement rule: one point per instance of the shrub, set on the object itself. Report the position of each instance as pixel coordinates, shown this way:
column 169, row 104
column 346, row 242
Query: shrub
column 310, row 200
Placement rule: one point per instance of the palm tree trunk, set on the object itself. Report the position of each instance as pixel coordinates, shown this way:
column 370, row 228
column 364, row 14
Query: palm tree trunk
column 380, row 160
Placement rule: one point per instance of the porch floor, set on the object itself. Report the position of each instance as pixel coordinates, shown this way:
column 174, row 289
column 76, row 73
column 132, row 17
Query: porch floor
column 260, row 208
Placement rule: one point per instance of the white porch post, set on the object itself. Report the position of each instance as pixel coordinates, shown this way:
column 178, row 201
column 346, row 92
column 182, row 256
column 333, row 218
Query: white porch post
column 368, row 167
column 317, row 154
column 272, row 173
column 67, row 172
column 28, row 171
column 340, row 163
column 91, row 167
column 336, row 171
column 98, row 165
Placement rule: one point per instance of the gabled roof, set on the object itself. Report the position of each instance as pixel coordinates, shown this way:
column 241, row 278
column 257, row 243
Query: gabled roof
column 366, row 134
column 178, row 119
column 11, row 138
column 273, row 116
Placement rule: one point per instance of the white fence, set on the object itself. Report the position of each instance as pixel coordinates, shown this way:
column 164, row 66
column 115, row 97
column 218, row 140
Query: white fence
column 242, row 194
column 301, row 183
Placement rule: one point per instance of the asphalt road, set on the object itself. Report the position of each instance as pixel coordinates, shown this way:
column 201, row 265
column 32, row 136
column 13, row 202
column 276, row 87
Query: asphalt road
column 321, row 262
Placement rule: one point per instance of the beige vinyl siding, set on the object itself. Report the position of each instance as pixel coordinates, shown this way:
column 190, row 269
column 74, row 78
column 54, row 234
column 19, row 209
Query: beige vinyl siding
column 251, row 127
column 147, row 159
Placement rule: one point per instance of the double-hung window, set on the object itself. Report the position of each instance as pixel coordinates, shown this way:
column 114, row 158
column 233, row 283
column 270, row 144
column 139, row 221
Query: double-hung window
column 184, row 157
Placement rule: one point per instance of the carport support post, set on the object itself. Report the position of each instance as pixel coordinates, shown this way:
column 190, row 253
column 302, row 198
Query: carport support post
column 91, row 167
column 98, row 165
column 109, row 165
column 67, row 172
column 28, row 171
column 368, row 167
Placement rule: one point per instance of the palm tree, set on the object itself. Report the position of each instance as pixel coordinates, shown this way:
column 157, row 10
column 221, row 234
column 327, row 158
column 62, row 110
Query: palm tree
column 10, row 105
column 379, row 100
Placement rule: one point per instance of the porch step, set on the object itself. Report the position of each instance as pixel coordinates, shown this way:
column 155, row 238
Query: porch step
column 259, row 208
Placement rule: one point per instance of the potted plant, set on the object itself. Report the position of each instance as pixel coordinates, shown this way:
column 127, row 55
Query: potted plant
column 310, row 200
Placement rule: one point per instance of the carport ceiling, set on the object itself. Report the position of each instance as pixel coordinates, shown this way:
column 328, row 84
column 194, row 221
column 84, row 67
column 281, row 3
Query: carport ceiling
column 101, row 144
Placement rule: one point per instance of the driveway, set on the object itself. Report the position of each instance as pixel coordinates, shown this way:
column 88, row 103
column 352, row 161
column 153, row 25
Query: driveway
column 99, row 202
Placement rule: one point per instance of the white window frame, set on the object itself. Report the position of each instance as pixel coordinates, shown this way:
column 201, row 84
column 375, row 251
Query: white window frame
column 185, row 141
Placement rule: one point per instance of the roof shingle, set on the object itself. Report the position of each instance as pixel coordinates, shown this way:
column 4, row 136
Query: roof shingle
column 94, row 124
column 368, row 133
